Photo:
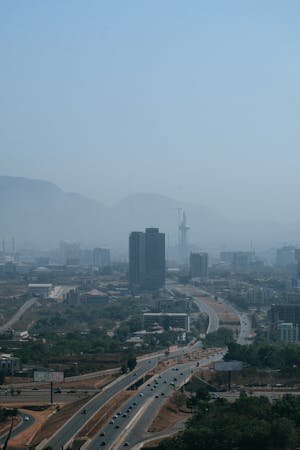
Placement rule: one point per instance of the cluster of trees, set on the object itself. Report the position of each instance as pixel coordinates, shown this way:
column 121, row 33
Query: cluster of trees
column 223, row 336
column 7, row 413
column 248, row 423
column 65, row 317
column 274, row 356
column 53, row 346
column 129, row 365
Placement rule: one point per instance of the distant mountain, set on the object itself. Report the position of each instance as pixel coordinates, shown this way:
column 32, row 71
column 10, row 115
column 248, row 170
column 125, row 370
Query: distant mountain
column 39, row 214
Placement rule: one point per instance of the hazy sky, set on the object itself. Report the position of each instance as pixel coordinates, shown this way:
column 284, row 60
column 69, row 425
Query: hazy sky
column 198, row 100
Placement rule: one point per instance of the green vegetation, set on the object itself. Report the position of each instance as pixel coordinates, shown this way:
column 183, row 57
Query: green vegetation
column 67, row 318
column 7, row 413
column 223, row 336
column 247, row 424
column 274, row 356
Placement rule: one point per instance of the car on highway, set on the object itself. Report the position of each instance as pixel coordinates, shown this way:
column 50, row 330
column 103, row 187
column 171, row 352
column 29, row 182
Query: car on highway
column 141, row 394
column 103, row 443
column 126, row 444
column 102, row 433
column 111, row 422
column 26, row 418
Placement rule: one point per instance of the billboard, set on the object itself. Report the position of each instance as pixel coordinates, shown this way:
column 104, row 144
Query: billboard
column 228, row 366
column 48, row 376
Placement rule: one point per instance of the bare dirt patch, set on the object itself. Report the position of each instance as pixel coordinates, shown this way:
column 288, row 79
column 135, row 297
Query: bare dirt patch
column 4, row 427
column 173, row 411
column 27, row 435
column 57, row 420
column 96, row 382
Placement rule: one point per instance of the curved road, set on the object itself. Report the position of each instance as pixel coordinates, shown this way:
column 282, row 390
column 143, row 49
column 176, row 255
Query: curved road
column 26, row 421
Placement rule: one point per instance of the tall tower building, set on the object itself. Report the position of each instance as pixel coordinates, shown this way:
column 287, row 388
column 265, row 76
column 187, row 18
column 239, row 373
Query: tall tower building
column 154, row 259
column 183, row 242
column 147, row 259
column 199, row 265
column 136, row 258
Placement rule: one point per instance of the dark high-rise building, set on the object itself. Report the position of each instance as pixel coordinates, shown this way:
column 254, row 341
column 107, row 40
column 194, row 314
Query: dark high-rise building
column 285, row 313
column 154, row 259
column 147, row 259
column 199, row 265
column 136, row 258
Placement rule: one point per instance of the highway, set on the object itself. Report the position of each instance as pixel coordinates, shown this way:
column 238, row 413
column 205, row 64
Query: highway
column 130, row 425
column 195, row 293
column 246, row 330
column 26, row 421
column 42, row 395
column 28, row 304
column 245, row 324
column 78, row 420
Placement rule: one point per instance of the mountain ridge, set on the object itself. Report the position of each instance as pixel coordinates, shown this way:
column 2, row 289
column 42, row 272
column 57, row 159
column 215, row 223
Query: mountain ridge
column 39, row 214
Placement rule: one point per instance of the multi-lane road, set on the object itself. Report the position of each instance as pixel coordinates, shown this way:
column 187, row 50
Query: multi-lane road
column 63, row 436
column 130, row 425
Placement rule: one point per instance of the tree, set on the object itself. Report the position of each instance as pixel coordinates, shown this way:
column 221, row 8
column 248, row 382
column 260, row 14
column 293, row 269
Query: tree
column 2, row 376
column 131, row 363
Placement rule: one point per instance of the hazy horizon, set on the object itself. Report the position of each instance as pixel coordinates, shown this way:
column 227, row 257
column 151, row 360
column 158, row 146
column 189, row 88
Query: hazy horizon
column 198, row 102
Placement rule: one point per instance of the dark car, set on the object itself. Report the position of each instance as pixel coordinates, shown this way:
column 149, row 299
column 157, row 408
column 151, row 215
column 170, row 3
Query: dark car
column 102, row 433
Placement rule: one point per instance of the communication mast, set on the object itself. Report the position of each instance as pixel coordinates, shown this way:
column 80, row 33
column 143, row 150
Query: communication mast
column 182, row 240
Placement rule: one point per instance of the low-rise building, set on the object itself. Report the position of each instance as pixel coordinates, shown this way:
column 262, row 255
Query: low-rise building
column 9, row 364
column 40, row 290
column 167, row 320
column 288, row 333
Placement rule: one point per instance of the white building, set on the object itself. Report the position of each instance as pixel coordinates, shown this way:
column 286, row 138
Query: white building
column 288, row 332
column 40, row 290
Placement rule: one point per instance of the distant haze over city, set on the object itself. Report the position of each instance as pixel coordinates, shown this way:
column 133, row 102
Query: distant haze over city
column 39, row 214
column 197, row 102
